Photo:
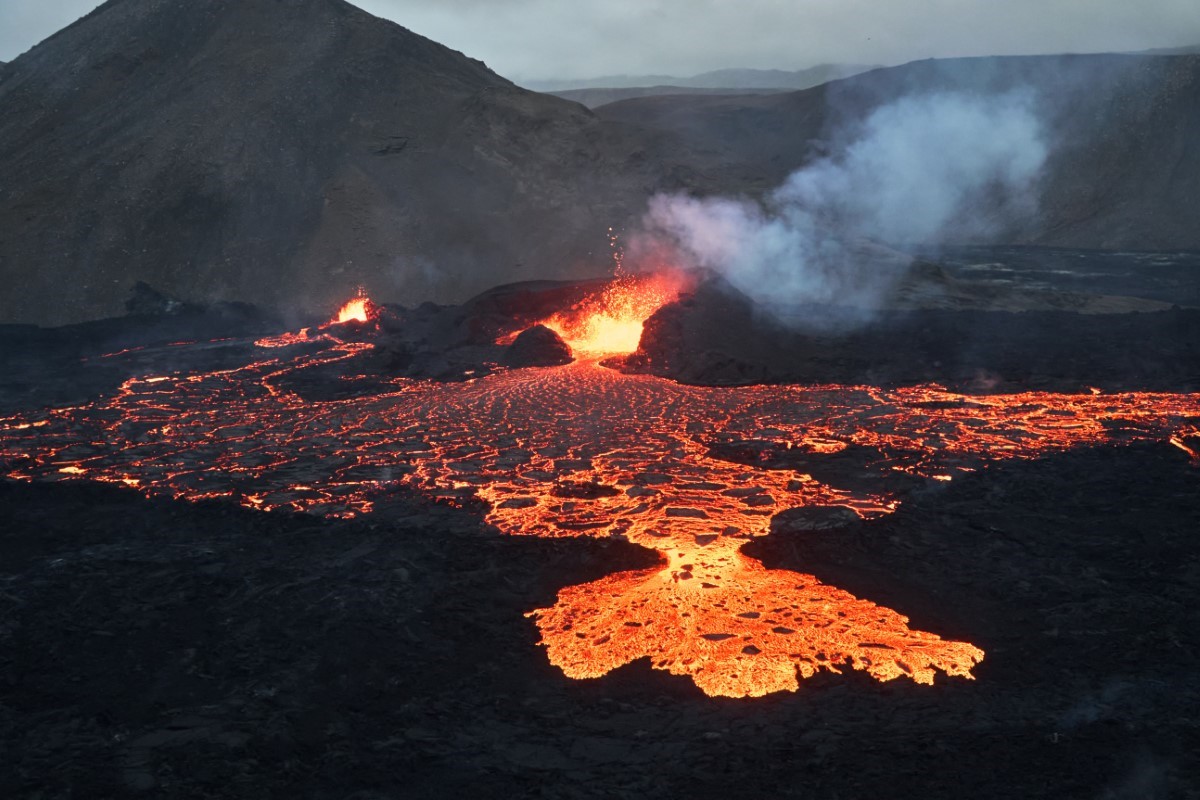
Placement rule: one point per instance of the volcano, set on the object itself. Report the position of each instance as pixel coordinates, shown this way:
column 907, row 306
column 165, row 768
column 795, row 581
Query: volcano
column 254, row 150
column 275, row 153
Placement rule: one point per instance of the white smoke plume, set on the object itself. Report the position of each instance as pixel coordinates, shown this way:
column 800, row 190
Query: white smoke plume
column 924, row 169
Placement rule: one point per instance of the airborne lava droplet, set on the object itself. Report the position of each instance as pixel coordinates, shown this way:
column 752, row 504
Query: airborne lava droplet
column 581, row 450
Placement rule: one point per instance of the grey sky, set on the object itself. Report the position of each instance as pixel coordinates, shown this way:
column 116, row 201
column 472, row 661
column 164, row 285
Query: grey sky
column 535, row 39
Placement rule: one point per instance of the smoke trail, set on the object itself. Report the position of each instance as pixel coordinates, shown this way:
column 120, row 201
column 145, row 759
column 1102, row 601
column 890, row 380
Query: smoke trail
column 923, row 169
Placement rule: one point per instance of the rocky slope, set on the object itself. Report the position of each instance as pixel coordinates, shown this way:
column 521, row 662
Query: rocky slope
column 1124, row 156
column 283, row 152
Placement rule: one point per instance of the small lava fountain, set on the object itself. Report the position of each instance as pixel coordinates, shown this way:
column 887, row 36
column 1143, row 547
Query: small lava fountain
column 611, row 321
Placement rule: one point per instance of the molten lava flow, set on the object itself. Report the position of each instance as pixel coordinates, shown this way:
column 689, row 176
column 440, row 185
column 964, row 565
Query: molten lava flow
column 284, row 339
column 738, row 629
column 611, row 321
column 1188, row 440
column 358, row 309
column 689, row 472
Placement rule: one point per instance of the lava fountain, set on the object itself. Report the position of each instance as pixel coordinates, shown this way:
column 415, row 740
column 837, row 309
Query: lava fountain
column 611, row 321
column 358, row 309
column 582, row 450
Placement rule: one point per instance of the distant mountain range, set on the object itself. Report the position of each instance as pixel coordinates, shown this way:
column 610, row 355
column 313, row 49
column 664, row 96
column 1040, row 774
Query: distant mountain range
column 717, row 79
column 1187, row 50
column 594, row 98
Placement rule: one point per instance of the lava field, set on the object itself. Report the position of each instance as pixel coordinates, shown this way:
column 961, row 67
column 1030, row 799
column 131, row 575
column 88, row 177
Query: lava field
column 696, row 482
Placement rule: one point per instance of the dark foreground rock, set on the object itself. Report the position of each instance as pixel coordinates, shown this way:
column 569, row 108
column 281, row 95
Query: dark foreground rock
column 154, row 648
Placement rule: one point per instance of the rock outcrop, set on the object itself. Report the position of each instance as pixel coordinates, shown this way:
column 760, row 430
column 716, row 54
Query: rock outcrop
column 538, row 347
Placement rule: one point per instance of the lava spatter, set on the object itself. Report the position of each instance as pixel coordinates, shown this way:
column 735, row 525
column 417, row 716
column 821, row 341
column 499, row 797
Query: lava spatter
column 581, row 450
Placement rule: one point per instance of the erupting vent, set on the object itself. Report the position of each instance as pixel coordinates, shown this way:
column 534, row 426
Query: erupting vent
column 611, row 322
column 689, row 472
column 358, row 309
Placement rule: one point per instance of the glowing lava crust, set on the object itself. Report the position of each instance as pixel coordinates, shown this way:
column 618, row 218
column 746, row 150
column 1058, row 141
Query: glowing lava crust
column 581, row 450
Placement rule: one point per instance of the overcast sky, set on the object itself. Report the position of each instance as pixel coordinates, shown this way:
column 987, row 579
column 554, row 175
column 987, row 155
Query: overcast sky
column 536, row 39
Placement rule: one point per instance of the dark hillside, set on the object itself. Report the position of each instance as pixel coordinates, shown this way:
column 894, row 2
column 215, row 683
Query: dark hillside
column 282, row 152
column 1124, row 134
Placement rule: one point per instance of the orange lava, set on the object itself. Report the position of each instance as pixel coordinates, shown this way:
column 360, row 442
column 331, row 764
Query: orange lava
column 611, row 322
column 357, row 309
column 284, row 339
column 1188, row 440
column 738, row 629
column 582, row 450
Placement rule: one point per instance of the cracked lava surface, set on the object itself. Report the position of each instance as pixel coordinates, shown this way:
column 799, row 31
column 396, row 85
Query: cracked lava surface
column 582, row 450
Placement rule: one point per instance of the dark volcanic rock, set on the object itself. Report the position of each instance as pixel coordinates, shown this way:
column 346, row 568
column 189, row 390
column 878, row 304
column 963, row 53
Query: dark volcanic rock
column 506, row 309
column 145, row 299
column 284, row 151
column 182, row 649
column 717, row 336
column 714, row 335
column 66, row 365
column 538, row 347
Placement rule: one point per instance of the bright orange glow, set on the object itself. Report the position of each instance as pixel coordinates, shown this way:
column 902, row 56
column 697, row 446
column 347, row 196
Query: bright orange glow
column 285, row 339
column 358, row 309
column 1188, row 440
column 738, row 629
column 353, row 311
column 689, row 472
column 611, row 321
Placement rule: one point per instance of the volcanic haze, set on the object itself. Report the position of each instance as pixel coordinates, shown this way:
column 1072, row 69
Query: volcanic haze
column 1123, row 155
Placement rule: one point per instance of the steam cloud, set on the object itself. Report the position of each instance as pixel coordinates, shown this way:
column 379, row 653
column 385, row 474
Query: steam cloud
column 922, row 169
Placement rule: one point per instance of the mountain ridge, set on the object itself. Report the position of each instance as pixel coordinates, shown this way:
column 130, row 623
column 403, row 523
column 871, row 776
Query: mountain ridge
column 726, row 78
